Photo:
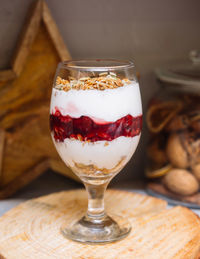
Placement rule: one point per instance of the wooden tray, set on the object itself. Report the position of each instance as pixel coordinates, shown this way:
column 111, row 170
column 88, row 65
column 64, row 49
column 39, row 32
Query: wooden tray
column 32, row 229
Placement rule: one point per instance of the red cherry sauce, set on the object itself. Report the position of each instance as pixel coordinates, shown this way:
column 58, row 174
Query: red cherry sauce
column 84, row 128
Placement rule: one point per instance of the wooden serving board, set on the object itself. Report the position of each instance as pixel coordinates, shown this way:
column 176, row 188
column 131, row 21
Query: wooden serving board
column 32, row 229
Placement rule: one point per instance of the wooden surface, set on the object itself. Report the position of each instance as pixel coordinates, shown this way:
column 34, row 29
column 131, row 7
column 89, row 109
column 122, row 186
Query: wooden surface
column 25, row 91
column 32, row 229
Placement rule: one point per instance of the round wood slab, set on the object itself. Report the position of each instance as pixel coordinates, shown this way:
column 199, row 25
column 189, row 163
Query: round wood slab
column 32, row 229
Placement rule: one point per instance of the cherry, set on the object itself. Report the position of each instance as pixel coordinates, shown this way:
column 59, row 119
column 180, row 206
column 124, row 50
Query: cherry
column 87, row 123
column 84, row 127
column 57, row 113
column 66, row 119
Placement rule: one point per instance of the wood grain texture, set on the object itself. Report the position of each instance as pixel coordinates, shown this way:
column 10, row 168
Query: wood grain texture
column 2, row 143
column 7, row 74
column 24, row 179
column 24, row 111
column 25, row 91
column 27, row 37
column 32, row 229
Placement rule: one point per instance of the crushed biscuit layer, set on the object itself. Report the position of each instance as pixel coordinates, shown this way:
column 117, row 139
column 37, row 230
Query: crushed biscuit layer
column 93, row 170
column 102, row 82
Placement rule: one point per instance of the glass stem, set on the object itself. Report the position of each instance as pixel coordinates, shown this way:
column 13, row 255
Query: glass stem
column 96, row 210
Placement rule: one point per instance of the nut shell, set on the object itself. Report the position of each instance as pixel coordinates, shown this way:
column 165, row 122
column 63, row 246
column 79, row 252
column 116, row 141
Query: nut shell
column 191, row 143
column 181, row 182
column 196, row 171
column 176, row 153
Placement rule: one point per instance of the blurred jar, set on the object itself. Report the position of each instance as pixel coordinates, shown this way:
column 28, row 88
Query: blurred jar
column 173, row 120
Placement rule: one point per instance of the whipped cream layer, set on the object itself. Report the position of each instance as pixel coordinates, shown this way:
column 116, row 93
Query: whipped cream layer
column 102, row 154
column 102, row 106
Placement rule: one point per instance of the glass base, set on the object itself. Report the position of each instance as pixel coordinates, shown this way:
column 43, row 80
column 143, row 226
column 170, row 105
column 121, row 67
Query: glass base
column 94, row 231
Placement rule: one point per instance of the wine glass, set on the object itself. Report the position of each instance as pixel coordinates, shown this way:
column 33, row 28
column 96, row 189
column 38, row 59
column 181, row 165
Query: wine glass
column 96, row 120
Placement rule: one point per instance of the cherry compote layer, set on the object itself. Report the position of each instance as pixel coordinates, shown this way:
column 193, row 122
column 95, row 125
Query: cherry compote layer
column 86, row 129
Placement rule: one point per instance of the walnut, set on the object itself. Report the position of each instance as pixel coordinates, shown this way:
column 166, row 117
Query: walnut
column 181, row 182
column 191, row 143
column 196, row 171
column 176, row 152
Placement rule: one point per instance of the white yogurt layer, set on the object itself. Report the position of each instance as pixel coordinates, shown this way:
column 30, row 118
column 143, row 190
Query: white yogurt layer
column 108, row 105
column 97, row 153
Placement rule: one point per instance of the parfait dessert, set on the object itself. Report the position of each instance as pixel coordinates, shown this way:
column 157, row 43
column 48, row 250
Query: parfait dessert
column 95, row 121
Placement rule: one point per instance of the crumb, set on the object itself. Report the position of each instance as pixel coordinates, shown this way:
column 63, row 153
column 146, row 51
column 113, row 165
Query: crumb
column 102, row 82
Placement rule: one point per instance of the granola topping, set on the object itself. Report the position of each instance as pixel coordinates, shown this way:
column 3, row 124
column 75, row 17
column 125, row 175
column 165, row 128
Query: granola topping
column 102, row 82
